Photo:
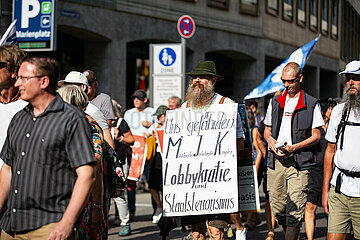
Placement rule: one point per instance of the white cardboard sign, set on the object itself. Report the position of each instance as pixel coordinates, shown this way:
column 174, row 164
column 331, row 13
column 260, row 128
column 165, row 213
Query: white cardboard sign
column 200, row 161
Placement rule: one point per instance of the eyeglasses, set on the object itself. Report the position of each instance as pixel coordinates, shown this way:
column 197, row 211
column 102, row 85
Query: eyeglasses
column 26, row 78
column 290, row 81
column 2, row 65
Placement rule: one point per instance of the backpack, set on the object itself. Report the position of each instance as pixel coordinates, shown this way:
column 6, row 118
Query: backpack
column 114, row 172
column 341, row 127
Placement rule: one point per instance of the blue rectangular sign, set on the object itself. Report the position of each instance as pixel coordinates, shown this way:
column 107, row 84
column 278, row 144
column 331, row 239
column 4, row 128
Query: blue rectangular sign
column 35, row 24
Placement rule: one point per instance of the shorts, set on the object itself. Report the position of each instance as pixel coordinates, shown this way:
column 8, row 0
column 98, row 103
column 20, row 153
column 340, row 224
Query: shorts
column 155, row 179
column 214, row 220
column 265, row 184
column 315, row 186
column 344, row 213
column 288, row 188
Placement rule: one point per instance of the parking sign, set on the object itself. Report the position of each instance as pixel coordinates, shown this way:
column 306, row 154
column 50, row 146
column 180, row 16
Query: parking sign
column 35, row 24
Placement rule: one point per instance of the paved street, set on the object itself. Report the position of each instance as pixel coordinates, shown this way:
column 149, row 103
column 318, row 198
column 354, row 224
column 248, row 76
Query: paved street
column 143, row 229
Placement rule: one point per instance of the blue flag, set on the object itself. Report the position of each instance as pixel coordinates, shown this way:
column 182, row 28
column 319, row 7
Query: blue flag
column 9, row 37
column 272, row 82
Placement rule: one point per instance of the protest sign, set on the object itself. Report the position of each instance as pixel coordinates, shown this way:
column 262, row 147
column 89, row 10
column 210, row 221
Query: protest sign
column 138, row 158
column 160, row 139
column 247, row 177
column 199, row 161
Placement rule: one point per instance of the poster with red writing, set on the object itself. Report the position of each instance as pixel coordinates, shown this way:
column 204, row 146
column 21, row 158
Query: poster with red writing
column 138, row 158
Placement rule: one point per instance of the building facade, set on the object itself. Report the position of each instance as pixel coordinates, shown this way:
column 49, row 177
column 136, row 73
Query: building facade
column 246, row 38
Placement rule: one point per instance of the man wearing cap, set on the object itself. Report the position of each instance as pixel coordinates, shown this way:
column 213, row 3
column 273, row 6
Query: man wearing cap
column 10, row 102
column 139, row 120
column 200, row 93
column 341, row 184
column 155, row 175
column 100, row 100
column 79, row 79
column 293, row 121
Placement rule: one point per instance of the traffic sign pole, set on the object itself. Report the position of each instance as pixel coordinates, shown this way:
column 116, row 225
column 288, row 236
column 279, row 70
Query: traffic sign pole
column 186, row 29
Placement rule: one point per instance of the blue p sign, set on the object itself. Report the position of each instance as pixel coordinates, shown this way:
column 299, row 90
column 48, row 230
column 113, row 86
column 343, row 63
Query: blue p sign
column 30, row 9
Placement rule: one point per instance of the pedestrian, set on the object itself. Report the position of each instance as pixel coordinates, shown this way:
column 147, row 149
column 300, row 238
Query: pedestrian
column 174, row 102
column 155, row 176
column 293, row 121
column 253, row 218
column 341, row 196
column 123, row 140
column 316, row 174
column 139, row 119
column 44, row 181
column 253, row 105
column 100, row 100
column 200, row 94
column 94, row 219
column 79, row 79
column 10, row 102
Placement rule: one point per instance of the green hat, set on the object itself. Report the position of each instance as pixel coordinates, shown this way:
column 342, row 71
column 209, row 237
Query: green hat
column 161, row 110
column 205, row 68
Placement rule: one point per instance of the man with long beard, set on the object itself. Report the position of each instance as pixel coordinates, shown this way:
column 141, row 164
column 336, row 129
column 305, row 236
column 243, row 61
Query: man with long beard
column 341, row 184
column 200, row 94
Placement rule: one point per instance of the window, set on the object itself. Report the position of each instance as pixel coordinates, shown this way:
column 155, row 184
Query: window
column 350, row 37
column 334, row 18
column 224, row 4
column 314, row 15
column 288, row 10
column 301, row 12
column 324, row 16
column 249, row 7
column 272, row 7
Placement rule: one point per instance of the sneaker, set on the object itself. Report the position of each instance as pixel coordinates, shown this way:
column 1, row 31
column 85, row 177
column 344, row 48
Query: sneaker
column 188, row 236
column 156, row 217
column 124, row 230
column 241, row 235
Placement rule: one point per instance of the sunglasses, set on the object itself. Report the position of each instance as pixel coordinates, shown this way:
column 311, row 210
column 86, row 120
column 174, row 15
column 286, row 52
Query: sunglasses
column 141, row 99
column 352, row 77
column 290, row 81
column 2, row 65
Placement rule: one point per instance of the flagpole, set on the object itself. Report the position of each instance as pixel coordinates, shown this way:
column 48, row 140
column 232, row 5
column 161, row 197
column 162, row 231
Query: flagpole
column 7, row 35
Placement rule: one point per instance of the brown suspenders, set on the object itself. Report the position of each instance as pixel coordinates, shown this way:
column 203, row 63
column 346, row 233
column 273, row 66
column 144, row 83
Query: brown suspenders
column 221, row 102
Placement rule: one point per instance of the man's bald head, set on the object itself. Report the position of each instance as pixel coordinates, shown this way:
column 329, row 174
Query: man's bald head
column 292, row 66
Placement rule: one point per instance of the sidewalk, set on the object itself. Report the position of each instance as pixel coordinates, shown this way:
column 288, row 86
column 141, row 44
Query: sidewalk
column 143, row 229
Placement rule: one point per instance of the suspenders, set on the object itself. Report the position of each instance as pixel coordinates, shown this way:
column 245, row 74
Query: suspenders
column 220, row 102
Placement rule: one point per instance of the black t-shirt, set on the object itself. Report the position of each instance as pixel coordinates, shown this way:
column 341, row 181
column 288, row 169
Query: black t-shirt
column 119, row 146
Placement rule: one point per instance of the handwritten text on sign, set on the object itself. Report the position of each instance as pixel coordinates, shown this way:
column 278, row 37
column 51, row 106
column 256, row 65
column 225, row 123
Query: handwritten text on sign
column 199, row 161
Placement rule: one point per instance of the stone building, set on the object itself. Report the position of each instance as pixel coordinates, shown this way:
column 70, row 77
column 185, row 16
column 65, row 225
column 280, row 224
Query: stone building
column 246, row 38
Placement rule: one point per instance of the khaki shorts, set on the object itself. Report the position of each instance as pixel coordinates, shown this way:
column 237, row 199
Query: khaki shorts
column 40, row 233
column 288, row 190
column 344, row 213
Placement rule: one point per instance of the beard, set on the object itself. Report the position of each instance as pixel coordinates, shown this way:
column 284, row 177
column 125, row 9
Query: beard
column 199, row 95
column 352, row 100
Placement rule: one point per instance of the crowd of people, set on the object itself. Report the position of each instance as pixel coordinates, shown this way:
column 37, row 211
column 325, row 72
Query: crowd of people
column 58, row 138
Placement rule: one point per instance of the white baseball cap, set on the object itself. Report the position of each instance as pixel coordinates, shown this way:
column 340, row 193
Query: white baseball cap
column 74, row 77
column 352, row 67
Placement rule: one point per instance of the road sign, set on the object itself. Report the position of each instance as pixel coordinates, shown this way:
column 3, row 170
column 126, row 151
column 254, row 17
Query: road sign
column 166, row 72
column 167, row 57
column 35, row 25
column 186, row 26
